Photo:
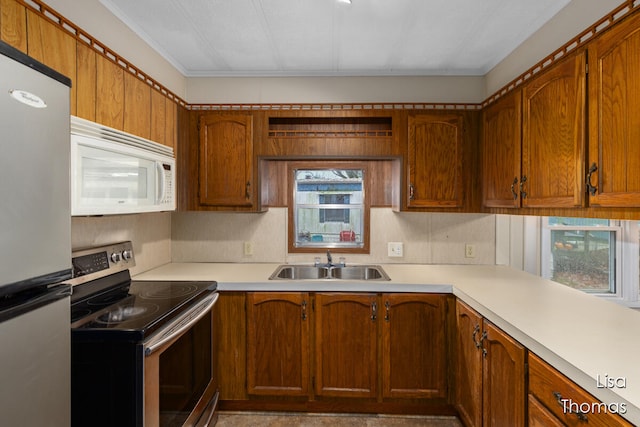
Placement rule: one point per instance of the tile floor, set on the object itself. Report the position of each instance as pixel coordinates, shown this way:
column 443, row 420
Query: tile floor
column 259, row 419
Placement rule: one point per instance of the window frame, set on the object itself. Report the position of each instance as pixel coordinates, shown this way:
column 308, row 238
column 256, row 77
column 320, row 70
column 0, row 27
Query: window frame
column 292, row 167
column 627, row 252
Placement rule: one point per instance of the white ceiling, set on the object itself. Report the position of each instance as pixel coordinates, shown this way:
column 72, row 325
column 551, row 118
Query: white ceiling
column 327, row 37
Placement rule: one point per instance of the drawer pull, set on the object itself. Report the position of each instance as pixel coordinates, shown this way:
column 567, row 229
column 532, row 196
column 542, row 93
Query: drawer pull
column 561, row 401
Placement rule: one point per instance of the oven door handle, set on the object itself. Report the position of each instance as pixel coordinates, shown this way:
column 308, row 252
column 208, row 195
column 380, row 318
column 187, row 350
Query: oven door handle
column 180, row 325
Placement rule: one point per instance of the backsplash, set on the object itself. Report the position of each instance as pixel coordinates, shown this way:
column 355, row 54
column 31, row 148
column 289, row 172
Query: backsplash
column 150, row 234
column 429, row 238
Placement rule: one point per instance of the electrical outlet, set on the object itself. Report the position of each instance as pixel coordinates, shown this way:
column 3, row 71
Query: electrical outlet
column 248, row 248
column 395, row 249
column 469, row 251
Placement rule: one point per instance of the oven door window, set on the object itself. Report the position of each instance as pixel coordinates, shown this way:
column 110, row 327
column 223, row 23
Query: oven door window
column 185, row 372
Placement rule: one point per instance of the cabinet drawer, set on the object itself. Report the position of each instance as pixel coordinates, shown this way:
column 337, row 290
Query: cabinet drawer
column 539, row 416
column 562, row 397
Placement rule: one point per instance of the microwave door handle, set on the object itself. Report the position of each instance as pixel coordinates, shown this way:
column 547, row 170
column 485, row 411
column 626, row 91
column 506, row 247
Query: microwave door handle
column 160, row 179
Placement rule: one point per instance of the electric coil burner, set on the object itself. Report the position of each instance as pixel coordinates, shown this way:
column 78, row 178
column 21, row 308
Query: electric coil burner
column 141, row 351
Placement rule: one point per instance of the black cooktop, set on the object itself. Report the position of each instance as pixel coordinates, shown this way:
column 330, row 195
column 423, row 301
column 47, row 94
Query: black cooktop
column 116, row 306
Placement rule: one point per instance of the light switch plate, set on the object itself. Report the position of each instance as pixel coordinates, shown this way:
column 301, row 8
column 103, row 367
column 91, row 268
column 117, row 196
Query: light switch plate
column 395, row 249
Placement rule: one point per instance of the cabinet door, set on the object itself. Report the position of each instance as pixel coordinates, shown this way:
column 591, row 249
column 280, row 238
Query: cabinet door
column 346, row 345
column 53, row 47
column 553, row 137
column 468, row 365
column 226, row 160
column 614, row 116
column 13, row 24
column 278, row 344
column 502, row 124
column 86, row 81
column 109, row 93
column 137, row 106
column 435, row 160
column 503, row 379
column 414, row 346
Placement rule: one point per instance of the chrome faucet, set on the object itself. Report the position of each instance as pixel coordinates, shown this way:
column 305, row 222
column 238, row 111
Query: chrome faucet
column 329, row 259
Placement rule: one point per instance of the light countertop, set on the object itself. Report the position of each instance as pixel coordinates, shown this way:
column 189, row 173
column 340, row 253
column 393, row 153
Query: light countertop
column 582, row 336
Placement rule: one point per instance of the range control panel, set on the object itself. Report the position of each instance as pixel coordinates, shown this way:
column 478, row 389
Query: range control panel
column 102, row 260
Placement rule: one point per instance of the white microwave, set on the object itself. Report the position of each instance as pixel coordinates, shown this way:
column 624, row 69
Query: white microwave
column 113, row 172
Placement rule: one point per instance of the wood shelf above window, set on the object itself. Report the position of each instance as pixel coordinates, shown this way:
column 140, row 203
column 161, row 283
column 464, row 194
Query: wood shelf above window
column 330, row 127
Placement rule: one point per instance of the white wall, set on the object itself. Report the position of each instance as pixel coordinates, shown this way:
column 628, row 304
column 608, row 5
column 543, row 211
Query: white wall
column 273, row 90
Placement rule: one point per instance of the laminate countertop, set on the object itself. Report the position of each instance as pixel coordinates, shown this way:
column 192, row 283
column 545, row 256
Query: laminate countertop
column 586, row 338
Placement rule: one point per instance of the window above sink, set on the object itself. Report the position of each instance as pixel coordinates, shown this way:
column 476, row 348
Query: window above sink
column 328, row 207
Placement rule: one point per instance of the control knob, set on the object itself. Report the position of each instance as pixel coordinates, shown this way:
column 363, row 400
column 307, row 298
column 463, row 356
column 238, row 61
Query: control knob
column 115, row 257
column 127, row 255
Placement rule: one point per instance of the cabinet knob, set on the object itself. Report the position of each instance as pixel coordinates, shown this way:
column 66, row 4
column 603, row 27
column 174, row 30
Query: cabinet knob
column 374, row 311
column 411, row 191
column 387, row 308
column 304, row 310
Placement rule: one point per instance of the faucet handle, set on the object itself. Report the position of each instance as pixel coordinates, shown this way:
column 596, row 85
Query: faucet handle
column 342, row 261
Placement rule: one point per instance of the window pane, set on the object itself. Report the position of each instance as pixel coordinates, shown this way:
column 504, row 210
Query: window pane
column 329, row 208
column 584, row 259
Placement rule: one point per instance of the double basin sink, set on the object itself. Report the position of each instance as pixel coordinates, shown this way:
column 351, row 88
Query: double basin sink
column 326, row 272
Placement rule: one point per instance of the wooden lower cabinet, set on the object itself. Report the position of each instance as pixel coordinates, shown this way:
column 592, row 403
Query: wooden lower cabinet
column 277, row 344
column 346, row 329
column 414, row 346
column 336, row 352
column 489, row 373
column 555, row 400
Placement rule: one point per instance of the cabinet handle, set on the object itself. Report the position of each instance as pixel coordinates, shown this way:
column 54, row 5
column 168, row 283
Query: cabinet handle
column 411, row 191
column 523, row 193
column 590, row 188
column 513, row 188
column 482, row 338
column 247, row 191
column 477, row 343
column 304, row 310
column 567, row 410
column 387, row 307
column 374, row 311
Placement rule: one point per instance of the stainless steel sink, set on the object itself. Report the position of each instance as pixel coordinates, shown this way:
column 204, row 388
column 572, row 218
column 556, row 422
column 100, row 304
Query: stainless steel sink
column 359, row 272
column 299, row 272
column 323, row 272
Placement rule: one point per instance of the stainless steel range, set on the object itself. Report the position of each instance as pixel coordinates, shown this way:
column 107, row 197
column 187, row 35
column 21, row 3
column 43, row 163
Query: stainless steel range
column 141, row 351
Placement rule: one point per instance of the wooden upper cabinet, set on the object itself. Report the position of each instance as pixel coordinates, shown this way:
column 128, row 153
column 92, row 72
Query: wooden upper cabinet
column 158, row 117
column 614, row 115
column 109, row 93
column 85, row 82
column 137, row 106
column 346, row 345
column 503, row 379
column 553, row 136
column 434, row 160
column 414, row 346
column 53, row 47
column 226, row 160
column 278, row 343
column 501, row 151
column 13, row 24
